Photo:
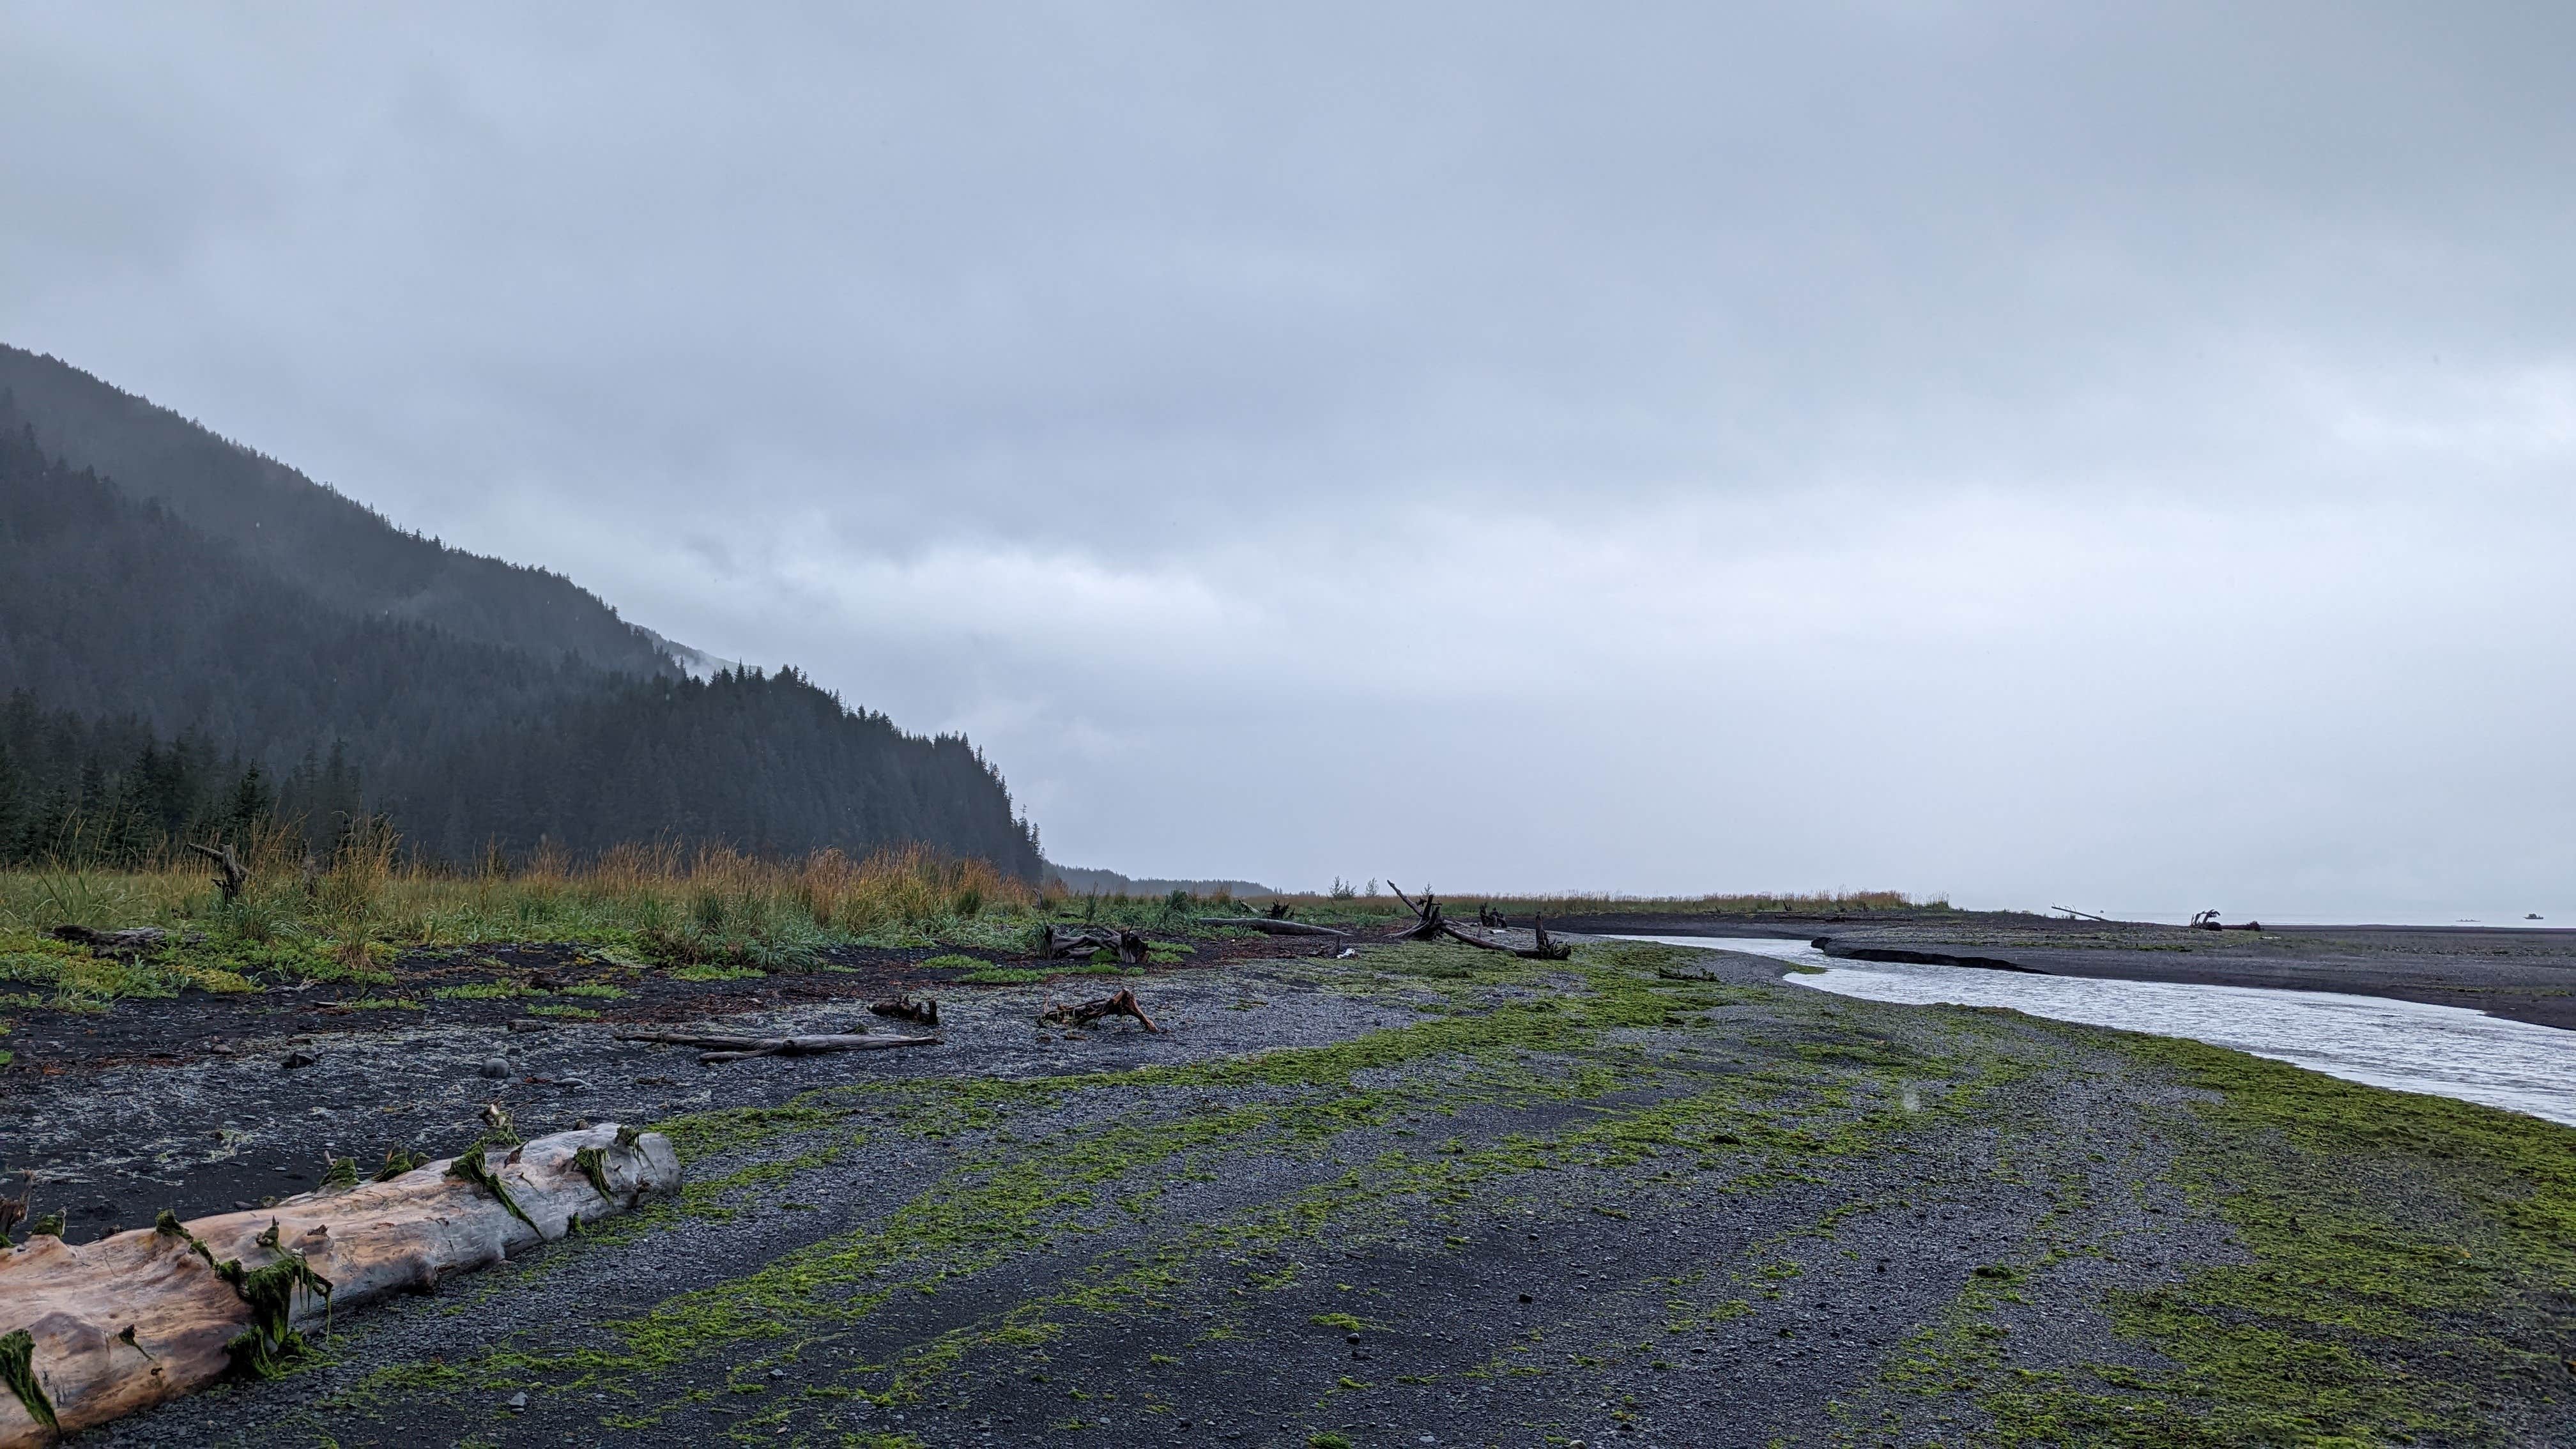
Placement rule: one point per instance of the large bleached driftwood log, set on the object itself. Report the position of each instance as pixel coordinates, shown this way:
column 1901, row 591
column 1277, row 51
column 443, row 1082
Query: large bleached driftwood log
column 94, row 1331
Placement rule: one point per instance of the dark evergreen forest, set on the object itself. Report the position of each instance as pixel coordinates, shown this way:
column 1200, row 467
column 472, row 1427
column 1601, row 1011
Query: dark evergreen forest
column 167, row 681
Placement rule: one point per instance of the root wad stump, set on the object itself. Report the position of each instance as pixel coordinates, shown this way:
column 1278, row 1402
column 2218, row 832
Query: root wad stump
column 93, row 1332
column 1431, row 924
column 1084, row 1014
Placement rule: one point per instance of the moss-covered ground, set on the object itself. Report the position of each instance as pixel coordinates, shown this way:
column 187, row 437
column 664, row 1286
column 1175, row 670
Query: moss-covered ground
column 1644, row 1196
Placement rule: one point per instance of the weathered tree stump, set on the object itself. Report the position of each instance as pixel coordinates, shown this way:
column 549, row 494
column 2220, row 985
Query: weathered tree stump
column 230, row 876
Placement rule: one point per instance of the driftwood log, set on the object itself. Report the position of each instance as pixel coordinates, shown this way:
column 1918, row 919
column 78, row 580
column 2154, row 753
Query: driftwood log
column 924, row 1012
column 1271, row 925
column 1057, row 943
column 131, row 941
column 719, row 1049
column 1085, row 1013
column 1429, row 924
column 1544, row 947
column 230, row 876
column 91, row 1332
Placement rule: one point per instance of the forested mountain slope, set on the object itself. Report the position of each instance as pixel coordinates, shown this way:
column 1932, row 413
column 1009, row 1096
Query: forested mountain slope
column 342, row 552
column 165, row 681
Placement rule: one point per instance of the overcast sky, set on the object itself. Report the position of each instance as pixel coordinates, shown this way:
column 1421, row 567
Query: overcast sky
column 2112, row 456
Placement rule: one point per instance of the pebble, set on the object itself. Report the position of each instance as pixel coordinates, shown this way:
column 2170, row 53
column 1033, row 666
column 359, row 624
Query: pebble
column 297, row 1059
column 496, row 1068
column 516, row 1402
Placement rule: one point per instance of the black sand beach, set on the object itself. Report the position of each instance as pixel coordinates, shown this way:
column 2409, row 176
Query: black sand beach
column 1418, row 1195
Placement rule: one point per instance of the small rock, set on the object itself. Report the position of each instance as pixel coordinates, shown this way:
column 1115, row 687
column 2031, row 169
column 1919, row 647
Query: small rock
column 531, row 1024
column 297, row 1059
column 516, row 1402
column 1525, row 1298
column 240, row 1206
column 778, row 1373
column 496, row 1068
column 1350, row 1338
column 573, row 1084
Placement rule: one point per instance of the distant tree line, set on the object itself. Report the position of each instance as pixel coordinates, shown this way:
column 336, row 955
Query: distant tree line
column 164, row 683
column 111, row 792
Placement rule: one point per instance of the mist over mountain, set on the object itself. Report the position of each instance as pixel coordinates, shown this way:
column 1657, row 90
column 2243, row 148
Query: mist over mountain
column 192, row 635
column 346, row 556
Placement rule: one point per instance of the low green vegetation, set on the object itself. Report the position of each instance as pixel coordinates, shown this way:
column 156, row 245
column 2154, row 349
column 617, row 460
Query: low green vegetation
column 2384, row 1268
column 2388, row 1237
column 1012, row 1192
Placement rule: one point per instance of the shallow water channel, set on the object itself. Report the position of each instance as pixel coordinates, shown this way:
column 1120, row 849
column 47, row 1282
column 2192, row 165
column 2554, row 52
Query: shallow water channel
column 2441, row 1050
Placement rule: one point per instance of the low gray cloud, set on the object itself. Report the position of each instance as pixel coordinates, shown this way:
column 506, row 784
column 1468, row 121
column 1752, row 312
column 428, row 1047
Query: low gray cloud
column 2033, row 452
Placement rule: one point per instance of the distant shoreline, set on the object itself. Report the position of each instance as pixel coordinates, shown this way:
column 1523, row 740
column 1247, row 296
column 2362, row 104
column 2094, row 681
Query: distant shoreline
column 2532, row 980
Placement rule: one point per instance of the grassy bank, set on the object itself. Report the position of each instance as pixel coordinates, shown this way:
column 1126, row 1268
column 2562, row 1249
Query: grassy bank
column 300, row 922
column 291, row 925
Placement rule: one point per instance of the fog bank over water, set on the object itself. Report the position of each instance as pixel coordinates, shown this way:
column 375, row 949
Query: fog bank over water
column 2124, row 461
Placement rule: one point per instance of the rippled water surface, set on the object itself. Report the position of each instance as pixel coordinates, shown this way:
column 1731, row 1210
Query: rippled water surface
column 2441, row 1050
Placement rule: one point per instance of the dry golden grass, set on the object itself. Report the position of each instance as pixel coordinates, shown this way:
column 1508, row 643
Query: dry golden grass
column 370, row 898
